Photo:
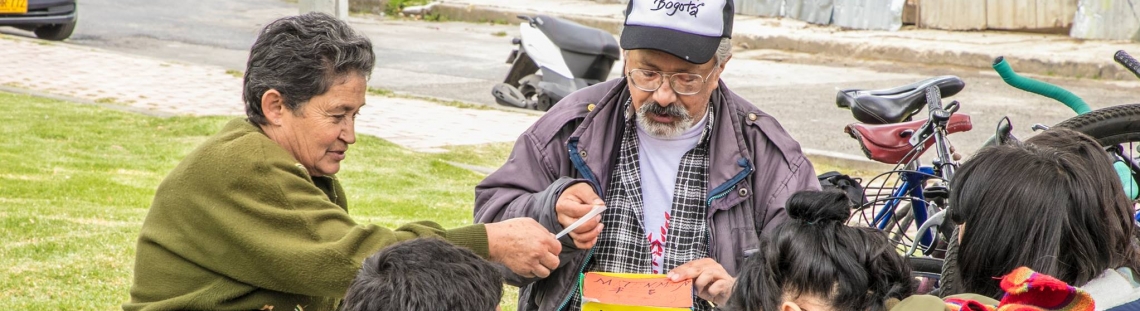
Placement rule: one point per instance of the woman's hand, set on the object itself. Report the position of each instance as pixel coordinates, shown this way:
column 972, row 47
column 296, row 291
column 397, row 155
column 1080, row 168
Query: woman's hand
column 524, row 246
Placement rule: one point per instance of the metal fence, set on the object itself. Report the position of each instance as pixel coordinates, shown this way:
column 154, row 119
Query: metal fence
column 1107, row 19
column 857, row 14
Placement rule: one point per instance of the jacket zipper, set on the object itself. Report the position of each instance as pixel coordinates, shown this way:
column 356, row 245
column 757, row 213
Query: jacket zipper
column 723, row 190
column 575, row 287
column 580, row 165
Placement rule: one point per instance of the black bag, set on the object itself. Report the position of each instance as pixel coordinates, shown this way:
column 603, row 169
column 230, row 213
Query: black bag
column 851, row 186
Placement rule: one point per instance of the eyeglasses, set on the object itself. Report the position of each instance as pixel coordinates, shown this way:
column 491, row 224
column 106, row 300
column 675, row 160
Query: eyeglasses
column 681, row 83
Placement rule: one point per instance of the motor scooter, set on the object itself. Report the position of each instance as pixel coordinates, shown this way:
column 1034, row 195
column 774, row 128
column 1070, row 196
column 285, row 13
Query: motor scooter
column 554, row 58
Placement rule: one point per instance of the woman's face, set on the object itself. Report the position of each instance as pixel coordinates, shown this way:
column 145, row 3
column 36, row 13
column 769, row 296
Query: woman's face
column 319, row 135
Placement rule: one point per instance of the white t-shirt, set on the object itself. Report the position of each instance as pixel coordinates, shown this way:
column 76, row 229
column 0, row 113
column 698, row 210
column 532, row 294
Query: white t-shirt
column 660, row 158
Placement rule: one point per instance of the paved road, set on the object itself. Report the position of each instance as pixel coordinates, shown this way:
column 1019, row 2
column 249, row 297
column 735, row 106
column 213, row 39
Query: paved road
column 214, row 32
column 462, row 61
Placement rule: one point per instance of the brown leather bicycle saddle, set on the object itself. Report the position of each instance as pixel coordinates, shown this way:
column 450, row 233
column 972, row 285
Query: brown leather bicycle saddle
column 890, row 143
column 897, row 104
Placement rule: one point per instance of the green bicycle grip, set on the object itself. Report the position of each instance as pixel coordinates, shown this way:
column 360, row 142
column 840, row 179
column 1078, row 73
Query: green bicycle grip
column 1044, row 89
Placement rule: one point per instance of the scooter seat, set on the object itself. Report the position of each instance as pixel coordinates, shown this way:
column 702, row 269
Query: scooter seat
column 890, row 143
column 574, row 37
column 897, row 104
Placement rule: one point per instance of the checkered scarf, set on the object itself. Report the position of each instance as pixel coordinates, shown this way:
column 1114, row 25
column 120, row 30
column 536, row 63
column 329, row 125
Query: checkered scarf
column 622, row 246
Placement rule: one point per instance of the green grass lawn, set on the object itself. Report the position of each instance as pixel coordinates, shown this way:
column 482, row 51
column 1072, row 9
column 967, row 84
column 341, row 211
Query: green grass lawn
column 76, row 181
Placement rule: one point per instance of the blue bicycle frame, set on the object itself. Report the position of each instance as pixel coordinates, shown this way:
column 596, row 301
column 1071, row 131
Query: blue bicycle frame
column 912, row 187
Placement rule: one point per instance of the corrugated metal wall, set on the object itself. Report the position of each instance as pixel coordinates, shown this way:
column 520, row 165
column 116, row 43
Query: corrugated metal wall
column 1107, row 19
column 1038, row 15
column 858, row 14
column 1034, row 15
column 1090, row 19
column 811, row 11
column 868, row 14
column 766, row 8
column 1030, row 14
column 952, row 14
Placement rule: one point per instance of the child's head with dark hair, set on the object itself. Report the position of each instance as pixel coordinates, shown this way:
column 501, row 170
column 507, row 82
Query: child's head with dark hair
column 815, row 261
column 1053, row 204
column 425, row 275
column 1115, row 214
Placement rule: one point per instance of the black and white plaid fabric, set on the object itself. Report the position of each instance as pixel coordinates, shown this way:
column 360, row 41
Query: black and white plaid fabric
column 623, row 246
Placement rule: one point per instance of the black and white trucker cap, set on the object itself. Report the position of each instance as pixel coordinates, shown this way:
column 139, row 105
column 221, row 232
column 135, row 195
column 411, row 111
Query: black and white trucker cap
column 688, row 29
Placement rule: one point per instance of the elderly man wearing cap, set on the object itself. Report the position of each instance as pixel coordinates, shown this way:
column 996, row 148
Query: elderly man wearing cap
column 689, row 171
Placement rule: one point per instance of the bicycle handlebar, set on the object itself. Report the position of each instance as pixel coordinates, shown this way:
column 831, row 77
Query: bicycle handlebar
column 937, row 116
column 933, row 99
column 1127, row 61
column 1044, row 89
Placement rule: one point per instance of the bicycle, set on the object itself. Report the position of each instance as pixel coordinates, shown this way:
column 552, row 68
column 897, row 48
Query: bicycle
column 1112, row 127
column 911, row 194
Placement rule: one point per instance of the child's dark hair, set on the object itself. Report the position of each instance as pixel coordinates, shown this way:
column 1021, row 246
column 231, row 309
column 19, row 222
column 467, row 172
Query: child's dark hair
column 1116, row 208
column 815, row 253
column 1053, row 204
column 425, row 275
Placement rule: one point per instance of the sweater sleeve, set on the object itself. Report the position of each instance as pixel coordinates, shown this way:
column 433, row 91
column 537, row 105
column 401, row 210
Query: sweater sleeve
column 258, row 218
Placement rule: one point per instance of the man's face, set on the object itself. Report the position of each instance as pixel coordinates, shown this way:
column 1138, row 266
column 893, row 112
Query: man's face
column 665, row 113
column 319, row 136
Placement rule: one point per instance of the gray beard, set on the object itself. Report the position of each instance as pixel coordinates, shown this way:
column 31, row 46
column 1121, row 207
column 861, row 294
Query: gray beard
column 683, row 121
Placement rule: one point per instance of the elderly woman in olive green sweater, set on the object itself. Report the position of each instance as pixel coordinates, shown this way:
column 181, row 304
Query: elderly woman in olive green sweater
column 255, row 217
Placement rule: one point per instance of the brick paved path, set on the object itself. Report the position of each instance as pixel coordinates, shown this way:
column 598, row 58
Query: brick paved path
column 163, row 87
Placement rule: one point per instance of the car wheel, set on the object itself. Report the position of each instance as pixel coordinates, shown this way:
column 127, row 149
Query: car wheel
column 55, row 32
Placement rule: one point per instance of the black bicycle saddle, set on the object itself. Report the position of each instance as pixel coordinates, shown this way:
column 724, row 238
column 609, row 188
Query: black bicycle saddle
column 897, row 104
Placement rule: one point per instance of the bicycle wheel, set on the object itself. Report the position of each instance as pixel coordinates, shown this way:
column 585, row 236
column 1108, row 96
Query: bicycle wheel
column 951, row 282
column 899, row 226
column 926, row 271
column 1116, row 128
column 897, row 230
column 925, row 266
column 1110, row 126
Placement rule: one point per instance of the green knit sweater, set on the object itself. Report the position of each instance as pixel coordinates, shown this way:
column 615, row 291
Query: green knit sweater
column 240, row 225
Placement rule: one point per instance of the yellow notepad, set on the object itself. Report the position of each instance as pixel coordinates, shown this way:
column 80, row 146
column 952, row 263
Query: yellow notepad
column 634, row 292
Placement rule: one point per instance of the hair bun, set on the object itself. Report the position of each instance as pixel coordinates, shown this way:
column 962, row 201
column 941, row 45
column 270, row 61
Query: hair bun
column 819, row 206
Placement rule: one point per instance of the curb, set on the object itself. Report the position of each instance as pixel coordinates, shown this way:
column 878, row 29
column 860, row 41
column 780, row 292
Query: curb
column 1105, row 70
column 480, row 14
column 845, row 161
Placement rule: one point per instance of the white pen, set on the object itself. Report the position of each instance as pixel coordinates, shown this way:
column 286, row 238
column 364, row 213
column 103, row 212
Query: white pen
column 593, row 212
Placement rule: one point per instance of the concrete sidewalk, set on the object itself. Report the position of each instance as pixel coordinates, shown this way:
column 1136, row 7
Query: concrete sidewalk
column 1043, row 54
column 161, row 88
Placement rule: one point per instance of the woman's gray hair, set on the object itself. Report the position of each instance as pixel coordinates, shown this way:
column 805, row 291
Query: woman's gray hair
column 302, row 56
column 723, row 51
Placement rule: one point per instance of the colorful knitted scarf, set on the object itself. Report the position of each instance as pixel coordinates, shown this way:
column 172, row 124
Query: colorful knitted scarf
column 1027, row 290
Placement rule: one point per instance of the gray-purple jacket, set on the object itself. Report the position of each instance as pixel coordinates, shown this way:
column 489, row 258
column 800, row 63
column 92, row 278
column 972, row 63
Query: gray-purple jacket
column 754, row 166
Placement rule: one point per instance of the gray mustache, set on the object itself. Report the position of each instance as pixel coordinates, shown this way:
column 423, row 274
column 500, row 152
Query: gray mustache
column 672, row 110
